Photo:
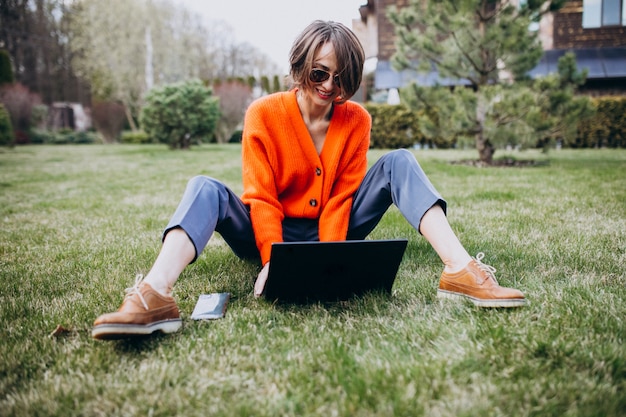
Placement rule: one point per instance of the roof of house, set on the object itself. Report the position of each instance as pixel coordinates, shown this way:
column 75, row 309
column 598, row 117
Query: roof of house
column 387, row 77
column 601, row 63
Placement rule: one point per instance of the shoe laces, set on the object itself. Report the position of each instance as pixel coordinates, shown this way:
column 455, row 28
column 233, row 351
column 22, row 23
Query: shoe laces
column 135, row 290
column 487, row 269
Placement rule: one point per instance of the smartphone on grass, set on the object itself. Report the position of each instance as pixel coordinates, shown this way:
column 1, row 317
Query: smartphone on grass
column 211, row 306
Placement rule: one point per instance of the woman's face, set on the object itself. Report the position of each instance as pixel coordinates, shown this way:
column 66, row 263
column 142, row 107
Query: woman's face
column 324, row 92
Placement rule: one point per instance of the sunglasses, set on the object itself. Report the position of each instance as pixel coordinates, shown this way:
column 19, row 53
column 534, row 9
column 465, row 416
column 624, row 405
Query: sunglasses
column 320, row 75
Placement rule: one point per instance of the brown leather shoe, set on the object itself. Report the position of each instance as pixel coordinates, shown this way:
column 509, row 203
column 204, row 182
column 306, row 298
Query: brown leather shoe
column 477, row 283
column 143, row 312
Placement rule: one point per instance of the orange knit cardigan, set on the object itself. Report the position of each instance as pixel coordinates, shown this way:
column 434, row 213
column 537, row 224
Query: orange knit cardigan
column 283, row 175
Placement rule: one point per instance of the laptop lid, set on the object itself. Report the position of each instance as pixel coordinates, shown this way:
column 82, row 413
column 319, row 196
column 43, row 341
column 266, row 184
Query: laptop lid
column 332, row 271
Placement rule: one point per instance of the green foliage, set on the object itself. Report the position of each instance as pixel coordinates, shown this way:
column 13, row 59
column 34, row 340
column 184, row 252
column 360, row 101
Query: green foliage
column 40, row 136
column 236, row 137
column 607, row 128
column 277, row 86
column 63, row 137
column 177, row 114
column 39, row 116
column 6, row 129
column 251, row 81
column 75, row 138
column 6, row 72
column 265, row 84
column 468, row 40
column 393, row 127
column 559, row 109
column 474, row 43
column 445, row 115
column 137, row 137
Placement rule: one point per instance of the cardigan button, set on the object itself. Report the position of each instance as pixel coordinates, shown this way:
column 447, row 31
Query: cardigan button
column 318, row 171
column 313, row 202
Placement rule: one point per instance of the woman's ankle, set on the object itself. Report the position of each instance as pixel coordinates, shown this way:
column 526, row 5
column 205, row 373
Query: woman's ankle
column 159, row 285
column 456, row 265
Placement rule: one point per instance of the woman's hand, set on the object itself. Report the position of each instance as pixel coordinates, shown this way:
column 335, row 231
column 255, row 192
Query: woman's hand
column 259, row 285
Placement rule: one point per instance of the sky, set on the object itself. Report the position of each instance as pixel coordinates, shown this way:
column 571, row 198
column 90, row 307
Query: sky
column 272, row 25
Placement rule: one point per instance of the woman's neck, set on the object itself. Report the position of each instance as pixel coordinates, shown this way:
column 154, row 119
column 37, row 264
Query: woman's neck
column 311, row 112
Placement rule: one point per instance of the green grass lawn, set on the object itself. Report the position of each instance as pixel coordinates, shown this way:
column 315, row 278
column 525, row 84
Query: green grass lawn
column 79, row 222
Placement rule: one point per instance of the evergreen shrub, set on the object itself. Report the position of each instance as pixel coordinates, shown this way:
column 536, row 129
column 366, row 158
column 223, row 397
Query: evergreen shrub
column 63, row 137
column 607, row 129
column 180, row 114
column 394, row 126
column 40, row 136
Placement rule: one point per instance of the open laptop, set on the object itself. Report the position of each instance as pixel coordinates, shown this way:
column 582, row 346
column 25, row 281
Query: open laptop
column 332, row 271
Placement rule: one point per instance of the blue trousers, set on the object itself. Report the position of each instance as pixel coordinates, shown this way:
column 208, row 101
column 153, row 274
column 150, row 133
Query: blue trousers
column 209, row 206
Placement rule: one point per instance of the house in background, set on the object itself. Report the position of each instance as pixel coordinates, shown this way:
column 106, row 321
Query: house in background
column 595, row 30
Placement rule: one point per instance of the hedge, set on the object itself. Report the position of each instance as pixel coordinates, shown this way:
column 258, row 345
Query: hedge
column 394, row 127
column 398, row 127
column 62, row 137
column 607, row 129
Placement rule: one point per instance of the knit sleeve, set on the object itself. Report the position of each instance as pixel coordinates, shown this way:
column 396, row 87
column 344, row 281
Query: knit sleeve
column 260, row 193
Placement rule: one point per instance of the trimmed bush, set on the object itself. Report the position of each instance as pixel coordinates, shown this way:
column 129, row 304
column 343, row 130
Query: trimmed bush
column 39, row 116
column 394, row 127
column 398, row 127
column 63, row 137
column 180, row 114
column 40, row 136
column 607, row 128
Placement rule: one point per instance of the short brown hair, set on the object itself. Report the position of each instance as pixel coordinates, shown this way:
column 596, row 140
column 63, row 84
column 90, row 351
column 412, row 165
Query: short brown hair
column 348, row 50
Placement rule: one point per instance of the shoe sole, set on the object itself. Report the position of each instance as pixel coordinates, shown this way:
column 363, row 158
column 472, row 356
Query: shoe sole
column 123, row 331
column 506, row 302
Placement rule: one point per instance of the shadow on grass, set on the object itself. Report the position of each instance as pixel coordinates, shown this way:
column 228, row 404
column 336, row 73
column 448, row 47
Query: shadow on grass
column 364, row 304
column 139, row 344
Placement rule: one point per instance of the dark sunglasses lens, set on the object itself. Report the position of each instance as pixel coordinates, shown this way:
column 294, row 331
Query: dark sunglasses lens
column 319, row 76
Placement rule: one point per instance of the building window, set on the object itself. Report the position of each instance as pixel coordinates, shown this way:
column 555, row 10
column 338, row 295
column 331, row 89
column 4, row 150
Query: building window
column 599, row 13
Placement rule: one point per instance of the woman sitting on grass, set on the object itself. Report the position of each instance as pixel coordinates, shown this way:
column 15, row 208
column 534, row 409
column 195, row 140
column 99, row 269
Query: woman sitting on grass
column 305, row 178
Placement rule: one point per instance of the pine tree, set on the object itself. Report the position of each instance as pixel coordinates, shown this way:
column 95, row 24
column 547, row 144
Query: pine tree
column 478, row 49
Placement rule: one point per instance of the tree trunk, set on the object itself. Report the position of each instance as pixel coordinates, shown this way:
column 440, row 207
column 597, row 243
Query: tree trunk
column 483, row 146
column 485, row 149
column 129, row 117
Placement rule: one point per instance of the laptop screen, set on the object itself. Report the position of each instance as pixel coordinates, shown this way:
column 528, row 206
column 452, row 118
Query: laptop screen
column 332, row 271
